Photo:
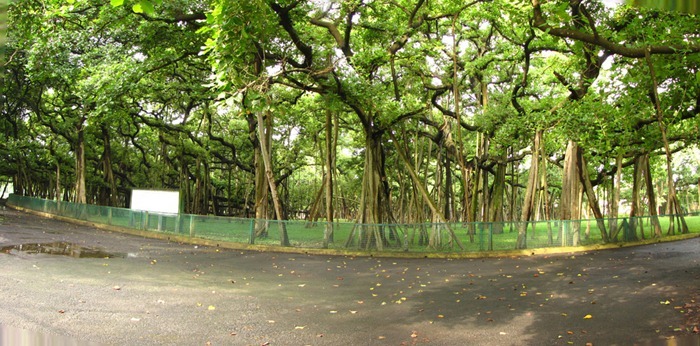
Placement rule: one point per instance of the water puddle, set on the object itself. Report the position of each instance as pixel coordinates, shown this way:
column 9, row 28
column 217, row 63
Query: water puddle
column 59, row 248
column 17, row 336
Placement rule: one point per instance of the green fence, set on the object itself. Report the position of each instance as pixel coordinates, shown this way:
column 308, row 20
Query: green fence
column 425, row 237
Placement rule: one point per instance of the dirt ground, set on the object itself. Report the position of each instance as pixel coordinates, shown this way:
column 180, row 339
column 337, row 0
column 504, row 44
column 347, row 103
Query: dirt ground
column 85, row 285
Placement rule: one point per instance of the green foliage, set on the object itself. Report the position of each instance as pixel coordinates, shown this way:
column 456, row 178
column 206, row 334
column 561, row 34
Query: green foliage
column 689, row 6
column 177, row 84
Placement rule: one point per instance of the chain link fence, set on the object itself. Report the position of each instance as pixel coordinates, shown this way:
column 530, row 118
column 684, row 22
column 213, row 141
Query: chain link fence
column 422, row 237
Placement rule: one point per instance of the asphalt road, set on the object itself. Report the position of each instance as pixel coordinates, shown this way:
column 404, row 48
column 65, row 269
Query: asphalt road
column 102, row 287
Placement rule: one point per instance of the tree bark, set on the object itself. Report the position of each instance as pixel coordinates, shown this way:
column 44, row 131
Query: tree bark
column 58, row 182
column 261, row 186
column 674, row 206
column 496, row 205
column 284, row 238
column 330, row 156
column 615, row 200
column 592, row 198
column 653, row 211
column 530, row 190
column 109, row 195
column 460, row 140
column 570, row 212
column 80, row 191
column 424, row 193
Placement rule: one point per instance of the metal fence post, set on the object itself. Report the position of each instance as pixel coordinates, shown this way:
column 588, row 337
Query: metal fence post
column 480, row 227
column 251, row 238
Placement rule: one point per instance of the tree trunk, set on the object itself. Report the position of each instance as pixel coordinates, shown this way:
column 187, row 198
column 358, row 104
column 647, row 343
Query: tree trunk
column 109, row 195
column 635, row 211
column 284, row 238
column 460, row 140
column 185, row 190
column 530, row 190
column 330, row 154
column 570, row 212
column 449, row 204
column 615, row 198
column 592, row 198
column 314, row 208
column 261, row 187
column 80, row 192
column 496, row 205
column 653, row 211
column 58, row 182
column 424, row 193
column 546, row 200
column 374, row 210
column 674, row 206
column 513, row 193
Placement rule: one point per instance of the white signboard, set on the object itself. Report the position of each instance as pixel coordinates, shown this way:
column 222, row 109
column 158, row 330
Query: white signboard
column 6, row 189
column 155, row 201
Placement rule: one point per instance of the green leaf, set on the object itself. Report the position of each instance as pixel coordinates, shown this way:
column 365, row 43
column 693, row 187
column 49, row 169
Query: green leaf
column 116, row 3
column 144, row 6
column 669, row 5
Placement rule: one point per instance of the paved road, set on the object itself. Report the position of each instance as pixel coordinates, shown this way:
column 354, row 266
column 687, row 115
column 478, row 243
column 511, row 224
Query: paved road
column 111, row 288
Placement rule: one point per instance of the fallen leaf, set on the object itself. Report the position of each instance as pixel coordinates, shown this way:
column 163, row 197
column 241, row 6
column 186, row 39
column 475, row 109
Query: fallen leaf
column 61, row 311
column 211, row 307
column 587, row 317
column 414, row 334
column 299, row 327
